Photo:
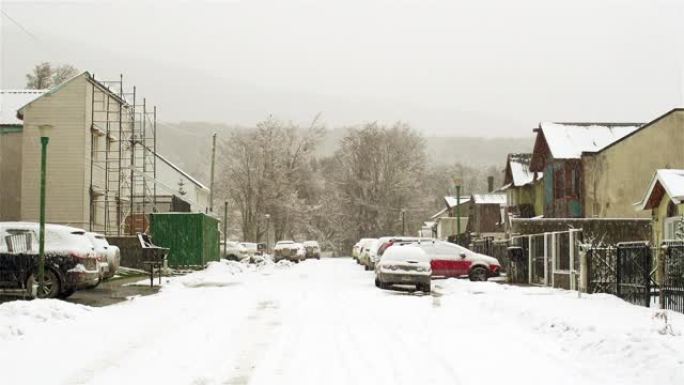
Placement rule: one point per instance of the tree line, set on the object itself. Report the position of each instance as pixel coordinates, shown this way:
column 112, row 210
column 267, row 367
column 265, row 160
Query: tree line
column 274, row 182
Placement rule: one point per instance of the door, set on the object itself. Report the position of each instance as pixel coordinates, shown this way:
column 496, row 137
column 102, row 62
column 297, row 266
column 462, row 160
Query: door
column 455, row 259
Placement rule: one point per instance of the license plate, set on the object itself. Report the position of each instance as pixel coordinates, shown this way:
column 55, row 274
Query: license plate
column 406, row 279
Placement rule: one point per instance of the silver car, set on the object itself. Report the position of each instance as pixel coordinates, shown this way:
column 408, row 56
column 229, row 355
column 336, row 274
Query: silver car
column 109, row 256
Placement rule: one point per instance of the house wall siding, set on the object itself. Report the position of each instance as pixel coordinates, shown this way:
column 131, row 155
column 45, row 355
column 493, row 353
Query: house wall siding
column 618, row 176
column 10, row 173
column 67, row 200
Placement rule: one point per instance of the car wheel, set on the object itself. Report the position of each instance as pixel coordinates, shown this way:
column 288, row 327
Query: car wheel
column 52, row 286
column 378, row 283
column 478, row 273
column 425, row 288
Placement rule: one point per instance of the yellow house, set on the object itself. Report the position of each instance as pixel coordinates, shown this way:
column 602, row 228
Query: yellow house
column 616, row 176
column 665, row 199
column 523, row 187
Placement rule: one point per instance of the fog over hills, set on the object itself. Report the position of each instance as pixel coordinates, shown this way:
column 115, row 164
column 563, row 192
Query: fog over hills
column 188, row 144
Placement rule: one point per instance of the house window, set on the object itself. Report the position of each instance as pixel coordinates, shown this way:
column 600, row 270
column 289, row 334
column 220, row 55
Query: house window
column 558, row 184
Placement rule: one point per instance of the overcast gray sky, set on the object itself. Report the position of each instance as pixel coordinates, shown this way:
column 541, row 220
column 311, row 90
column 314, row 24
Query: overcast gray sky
column 453, row 67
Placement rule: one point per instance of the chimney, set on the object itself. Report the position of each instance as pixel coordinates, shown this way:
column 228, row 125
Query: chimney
column 490, row 183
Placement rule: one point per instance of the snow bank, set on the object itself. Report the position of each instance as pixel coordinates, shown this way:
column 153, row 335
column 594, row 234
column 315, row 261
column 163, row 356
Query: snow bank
column 221, row 273
column 19, row 317
column 600, row 327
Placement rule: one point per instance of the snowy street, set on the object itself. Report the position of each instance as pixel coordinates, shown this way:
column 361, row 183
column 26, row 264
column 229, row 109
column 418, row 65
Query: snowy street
column 324, row 322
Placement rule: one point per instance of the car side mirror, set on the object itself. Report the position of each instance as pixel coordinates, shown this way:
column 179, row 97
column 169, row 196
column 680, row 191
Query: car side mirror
column 463, row 255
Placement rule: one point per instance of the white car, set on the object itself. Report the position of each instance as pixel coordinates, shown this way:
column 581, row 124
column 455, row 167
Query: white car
column 289, row 250
column 404, row 265
column 234, row 251
column 109, row 256
column 368, row 253
column 313, row 249
column 356, row 250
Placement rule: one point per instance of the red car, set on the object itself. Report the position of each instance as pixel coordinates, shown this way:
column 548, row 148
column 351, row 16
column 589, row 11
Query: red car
column 451, row 260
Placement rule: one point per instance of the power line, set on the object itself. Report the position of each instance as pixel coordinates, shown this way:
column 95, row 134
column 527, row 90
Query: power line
column 19, row 25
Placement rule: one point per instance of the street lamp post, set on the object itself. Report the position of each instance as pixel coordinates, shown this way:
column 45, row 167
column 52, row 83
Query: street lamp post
column 44, row 139
column 268, row 220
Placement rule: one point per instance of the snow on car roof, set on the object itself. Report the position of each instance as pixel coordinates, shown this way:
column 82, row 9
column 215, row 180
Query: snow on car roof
column 405, row 253
column 570, row 140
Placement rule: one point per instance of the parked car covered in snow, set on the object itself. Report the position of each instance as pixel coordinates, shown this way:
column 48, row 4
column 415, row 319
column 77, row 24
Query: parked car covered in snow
column 312, row 249
column 406, row 265
column 451, row 260
column 368, row 253
column 356, row 250
column 234, row 251
column 108, row 256
column 289, row 250
column 70, row 260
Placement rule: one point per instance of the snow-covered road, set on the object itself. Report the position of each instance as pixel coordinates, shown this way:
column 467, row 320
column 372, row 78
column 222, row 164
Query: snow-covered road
column 323, row 322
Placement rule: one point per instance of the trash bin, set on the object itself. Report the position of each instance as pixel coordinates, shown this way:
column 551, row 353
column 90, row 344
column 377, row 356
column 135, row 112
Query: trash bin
column 517, row 265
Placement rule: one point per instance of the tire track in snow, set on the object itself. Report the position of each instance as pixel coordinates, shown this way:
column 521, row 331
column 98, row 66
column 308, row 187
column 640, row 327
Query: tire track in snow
column 262, row 324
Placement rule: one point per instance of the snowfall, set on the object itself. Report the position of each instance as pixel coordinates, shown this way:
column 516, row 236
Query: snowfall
column 324, row 322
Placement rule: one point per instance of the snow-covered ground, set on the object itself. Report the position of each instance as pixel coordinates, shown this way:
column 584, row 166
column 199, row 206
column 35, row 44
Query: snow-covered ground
column 324, row 322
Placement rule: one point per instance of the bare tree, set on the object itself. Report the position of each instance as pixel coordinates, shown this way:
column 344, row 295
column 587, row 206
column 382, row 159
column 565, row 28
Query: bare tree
column 41, row 77
column 45, row 75
column 62, row 73
column 266, row 171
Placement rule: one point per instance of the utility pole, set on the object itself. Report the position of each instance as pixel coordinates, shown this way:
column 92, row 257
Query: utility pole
column 268, row 222
column 225, row 228
column 403, row 222
column 458, row 210
column 213, row 160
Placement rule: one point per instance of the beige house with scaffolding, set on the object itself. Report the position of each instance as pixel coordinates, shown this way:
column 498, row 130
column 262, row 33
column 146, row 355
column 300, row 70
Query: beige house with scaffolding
column 100, row 154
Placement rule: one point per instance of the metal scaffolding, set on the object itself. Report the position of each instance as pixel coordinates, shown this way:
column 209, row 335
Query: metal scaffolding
column 122, row 159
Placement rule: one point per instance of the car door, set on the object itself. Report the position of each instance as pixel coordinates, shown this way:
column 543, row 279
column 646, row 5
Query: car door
column 455, row 258
column 438, row 264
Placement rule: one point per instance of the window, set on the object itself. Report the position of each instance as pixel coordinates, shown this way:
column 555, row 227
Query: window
column 558, row 191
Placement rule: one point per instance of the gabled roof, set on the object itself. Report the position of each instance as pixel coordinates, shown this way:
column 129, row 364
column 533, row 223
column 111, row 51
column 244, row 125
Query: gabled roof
column 489, row 199
column 570, row 140
column 55, row 89
column 180, row 171
column 439, row 213
column 518, row 171
column 664, row 181
column 11, row 101
column 451, row 200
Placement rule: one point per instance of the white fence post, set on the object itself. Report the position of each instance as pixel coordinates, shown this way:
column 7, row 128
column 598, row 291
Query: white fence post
column 529, row 259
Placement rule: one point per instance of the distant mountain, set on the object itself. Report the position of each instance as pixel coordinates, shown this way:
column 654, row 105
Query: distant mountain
column 188, row 144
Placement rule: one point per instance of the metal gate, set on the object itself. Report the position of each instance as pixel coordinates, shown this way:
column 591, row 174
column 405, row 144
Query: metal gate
column 602, row 270
column 672, row 287
column 633, row 273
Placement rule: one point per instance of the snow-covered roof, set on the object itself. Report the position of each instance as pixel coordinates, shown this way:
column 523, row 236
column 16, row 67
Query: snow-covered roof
column 570, row 140
column 185, row 174
column 12, row 100
column 489, row 199
column 670, row 181
column 439, row 213
column 518, row 171
column 451, row 200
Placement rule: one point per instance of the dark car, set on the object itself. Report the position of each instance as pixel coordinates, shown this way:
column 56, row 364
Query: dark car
column 19, row 272
column 70, row 261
